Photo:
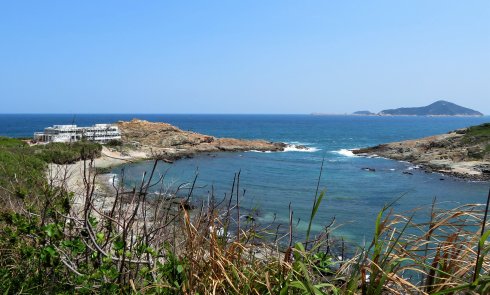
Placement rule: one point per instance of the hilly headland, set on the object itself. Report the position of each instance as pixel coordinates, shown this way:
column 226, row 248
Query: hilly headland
column 464, row 153
column 146, row 139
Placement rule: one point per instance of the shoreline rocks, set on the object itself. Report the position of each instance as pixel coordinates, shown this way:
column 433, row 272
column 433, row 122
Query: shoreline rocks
column 167, row 142
column 455, row 153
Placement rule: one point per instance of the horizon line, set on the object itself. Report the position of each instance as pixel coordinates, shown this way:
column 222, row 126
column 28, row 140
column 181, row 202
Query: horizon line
column 319, row 114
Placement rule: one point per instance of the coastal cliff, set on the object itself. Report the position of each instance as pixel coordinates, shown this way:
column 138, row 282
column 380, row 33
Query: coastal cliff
column 463, row 153
column 170, row 143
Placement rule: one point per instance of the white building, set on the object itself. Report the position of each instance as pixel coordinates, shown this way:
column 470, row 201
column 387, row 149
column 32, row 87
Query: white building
column 101, row 133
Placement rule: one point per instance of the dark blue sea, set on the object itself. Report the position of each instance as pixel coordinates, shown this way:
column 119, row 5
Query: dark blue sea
column 274, row 180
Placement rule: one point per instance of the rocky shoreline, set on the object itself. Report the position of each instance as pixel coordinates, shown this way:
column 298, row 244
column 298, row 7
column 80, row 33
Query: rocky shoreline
column 461, row 153
column 152, row 140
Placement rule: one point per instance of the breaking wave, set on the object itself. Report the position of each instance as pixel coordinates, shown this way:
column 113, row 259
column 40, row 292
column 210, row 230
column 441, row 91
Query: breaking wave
column 294, row 147
column 345, row 153
column 113, row 179
column 300, row 148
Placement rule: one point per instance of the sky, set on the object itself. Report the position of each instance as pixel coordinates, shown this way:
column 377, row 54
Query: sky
column 242, row 57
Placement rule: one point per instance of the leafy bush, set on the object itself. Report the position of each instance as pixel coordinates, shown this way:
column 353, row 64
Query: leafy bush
column 67, row 153
column 114, row 143
column 7, row 142
column 20, row 170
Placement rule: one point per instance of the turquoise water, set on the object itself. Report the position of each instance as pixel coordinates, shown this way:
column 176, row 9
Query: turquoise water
column 273, row 180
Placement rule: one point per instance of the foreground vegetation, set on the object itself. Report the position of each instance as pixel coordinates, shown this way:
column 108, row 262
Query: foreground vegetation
column 53, row 241
column 22, row 166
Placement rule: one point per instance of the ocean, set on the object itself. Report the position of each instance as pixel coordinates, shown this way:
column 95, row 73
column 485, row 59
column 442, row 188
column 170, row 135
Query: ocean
column 272, row 181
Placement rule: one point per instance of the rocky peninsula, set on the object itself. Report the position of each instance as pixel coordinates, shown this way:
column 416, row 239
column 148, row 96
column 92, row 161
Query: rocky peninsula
column 464, row 153
column 144, row 139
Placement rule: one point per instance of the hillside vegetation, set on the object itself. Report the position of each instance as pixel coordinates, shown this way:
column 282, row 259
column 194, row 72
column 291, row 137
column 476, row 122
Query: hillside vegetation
column 22, row 167
column 479, row 133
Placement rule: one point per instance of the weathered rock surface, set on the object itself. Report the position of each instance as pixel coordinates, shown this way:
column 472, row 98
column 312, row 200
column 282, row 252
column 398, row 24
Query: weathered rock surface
column 460, row 153
column 169, row 142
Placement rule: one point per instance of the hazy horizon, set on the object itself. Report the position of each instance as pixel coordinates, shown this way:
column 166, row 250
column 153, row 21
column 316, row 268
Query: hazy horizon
column 274, row 57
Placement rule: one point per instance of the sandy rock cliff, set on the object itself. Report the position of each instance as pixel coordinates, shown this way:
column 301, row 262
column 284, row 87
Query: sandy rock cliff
column 172, row 143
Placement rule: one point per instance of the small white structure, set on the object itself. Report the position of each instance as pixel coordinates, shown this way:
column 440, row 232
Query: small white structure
column 100, row 133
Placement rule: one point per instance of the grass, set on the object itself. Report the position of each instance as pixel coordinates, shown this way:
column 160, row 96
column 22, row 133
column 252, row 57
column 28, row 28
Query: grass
column 7, row 142
column 140, row 245
column 20, row 169
column 67, row 153
column 479, row 130
column 477, row 134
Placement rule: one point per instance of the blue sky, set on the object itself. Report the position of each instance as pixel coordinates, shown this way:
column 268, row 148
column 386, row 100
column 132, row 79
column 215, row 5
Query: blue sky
column 242, row 56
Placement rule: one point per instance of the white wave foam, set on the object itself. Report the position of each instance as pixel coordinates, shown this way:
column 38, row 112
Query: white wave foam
column 413, row 167
column 299, row 143
column 113, row 179
column 294, row 146
column 300, row 148
column 345, row 153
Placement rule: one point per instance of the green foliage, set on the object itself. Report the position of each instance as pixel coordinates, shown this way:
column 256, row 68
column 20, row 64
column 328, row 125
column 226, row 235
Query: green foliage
column 173, row 272
column 22, row 167
column 324, row 262
column 103, row 170
column 314, row 210
column 32, row 231
column 20, row 170
column 67, row 153
column 479, row 130
column 7, row 142
column 114, row 143
column 477, row 134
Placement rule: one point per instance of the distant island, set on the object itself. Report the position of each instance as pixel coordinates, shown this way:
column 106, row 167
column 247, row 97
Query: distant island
column 438, row 108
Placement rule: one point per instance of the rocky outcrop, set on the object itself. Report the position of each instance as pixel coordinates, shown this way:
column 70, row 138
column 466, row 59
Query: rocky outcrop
column 463, row 153
column 169, row 142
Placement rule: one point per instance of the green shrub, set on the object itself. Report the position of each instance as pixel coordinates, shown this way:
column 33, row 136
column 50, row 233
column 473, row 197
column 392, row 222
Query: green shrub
column 114, row 143
column 19, row 168
column 67, row 153
column 103, row 170
column 479, row 133
column 7, row 142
